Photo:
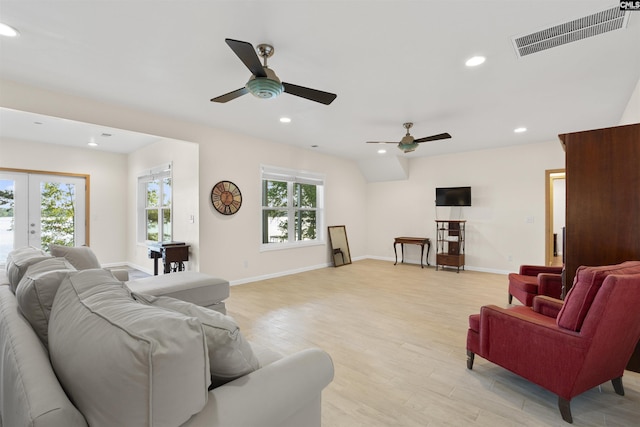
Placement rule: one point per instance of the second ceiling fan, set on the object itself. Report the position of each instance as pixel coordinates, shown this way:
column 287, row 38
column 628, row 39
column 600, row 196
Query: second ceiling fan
column 408, row 143
column 264, row 83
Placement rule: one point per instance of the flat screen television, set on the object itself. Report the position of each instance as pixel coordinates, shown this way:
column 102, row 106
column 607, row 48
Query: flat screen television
column 453, row 196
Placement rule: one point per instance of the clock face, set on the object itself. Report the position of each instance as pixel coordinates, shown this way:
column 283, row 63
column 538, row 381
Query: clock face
column 226, row 197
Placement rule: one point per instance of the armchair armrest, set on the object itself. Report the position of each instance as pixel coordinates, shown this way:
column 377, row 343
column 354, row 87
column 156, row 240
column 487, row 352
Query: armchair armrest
column 550, row 284
column 272, row 395
column 534, row 270
column 547, row 306
column 506, row 336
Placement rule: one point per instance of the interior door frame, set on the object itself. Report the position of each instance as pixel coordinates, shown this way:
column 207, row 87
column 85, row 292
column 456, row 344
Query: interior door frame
column 548, row 212
column 87, row 192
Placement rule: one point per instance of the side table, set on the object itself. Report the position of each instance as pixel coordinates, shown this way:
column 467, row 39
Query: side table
column 420, row 241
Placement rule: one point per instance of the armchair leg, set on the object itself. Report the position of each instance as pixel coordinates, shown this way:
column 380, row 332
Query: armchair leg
column 510, row 298
column 470, row 357
column 617, row 386
column 565, row 409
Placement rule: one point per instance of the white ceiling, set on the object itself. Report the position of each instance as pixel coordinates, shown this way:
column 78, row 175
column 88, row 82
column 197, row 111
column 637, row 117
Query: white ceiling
column 389, row 62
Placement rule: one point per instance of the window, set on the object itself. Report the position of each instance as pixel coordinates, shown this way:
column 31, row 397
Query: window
column 154, row 205
column 292, row 203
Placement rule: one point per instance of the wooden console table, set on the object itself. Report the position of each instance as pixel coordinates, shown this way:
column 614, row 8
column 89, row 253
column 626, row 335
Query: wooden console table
column 420, row 241
column 175, row 253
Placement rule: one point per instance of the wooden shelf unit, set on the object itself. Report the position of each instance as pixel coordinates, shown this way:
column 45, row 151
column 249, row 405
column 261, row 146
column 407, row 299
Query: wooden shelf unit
column 450, row 243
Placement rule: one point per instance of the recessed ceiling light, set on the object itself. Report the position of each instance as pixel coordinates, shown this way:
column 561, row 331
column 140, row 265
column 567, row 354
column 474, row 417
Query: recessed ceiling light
column 285, row 120
column 520, row 130
column 475, row 61
column 92, row 143
column 8, row 31
column 382, row 151
column 314, row 146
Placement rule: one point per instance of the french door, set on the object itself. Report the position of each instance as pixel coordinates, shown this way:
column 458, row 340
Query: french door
column 41, row 209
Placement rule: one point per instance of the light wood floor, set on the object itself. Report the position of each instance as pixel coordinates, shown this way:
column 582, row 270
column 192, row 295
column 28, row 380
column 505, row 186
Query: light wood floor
column 397, row 336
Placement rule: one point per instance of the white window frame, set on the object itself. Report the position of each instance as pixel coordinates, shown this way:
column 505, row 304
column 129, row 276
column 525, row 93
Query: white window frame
column 154, row 174
column 292, row 177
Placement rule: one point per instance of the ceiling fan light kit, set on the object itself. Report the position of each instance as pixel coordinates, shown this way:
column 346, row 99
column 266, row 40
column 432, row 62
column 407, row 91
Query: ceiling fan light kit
column 264, row 87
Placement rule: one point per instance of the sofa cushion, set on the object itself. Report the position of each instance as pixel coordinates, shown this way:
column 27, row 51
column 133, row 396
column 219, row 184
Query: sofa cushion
column 230, row 355
column 19, row 260
column 36, row 291
column 586, row 285
column 124, row 363
column 81, row 257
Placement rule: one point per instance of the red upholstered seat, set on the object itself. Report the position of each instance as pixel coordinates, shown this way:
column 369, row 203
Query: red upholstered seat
column 588, row 343
column 535, row 280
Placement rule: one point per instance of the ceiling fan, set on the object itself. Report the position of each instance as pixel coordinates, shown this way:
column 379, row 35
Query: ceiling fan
column 408, row 143
column 264, row 83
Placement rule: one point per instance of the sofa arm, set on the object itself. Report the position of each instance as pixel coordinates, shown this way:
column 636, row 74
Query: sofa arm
column 550, row 285
column 534, row 270
column 272, row 395
column 548, row 306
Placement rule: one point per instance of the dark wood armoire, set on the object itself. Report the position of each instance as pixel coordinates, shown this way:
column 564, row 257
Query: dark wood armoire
column 603, row 200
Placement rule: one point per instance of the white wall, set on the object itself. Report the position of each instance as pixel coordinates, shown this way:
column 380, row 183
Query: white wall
column 507, row 184
column 227, row 244
column 108, row 180
column 233, row 242
column 185, row 191
column 632, row 112
column 508, row 190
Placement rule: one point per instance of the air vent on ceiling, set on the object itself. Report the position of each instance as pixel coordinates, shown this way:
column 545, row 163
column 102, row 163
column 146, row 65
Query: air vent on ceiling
column 578, row 29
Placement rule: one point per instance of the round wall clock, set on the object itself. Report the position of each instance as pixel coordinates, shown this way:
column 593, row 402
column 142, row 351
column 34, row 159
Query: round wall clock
column 226, row 197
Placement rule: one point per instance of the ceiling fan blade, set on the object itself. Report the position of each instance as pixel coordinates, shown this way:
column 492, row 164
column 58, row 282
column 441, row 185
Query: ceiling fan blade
column 382, row 142
column 248, row 56
column 231, row 95
column 325, row 98
column 433, row 137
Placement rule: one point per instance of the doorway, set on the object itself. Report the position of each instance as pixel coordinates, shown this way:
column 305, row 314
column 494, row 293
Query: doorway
column 555, row 214
column 42, row 208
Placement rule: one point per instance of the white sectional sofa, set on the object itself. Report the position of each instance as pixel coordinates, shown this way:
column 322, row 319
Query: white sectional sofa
column 102, row 355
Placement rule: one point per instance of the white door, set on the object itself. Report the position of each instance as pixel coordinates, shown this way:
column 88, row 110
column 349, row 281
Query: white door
column 38, row 210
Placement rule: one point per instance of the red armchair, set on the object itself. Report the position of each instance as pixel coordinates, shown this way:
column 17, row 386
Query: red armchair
column 535, row 280
column 584, row 342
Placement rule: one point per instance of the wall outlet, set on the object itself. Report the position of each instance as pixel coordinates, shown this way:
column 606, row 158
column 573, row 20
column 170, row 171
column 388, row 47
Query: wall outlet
column 529, row 220
column 510, row 258
column 245, row 263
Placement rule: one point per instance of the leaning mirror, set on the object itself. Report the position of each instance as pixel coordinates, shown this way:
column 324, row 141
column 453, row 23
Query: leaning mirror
column 339, row 245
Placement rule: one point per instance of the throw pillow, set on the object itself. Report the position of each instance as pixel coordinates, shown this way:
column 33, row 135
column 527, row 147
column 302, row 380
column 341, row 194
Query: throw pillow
column 586, row 285
column 230, row 354
column 36, row 291
column 124, row 363
column 19, row 260
column 81, row 257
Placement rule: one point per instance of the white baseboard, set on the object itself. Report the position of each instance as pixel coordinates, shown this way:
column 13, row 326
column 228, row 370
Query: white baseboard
column 279, row 274
column 303, row 269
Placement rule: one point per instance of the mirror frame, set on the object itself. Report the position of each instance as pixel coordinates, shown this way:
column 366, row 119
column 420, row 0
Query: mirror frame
column 336, row 247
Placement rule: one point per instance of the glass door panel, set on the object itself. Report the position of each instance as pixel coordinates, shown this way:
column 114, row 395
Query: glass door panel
column 13, row 213
column 38, row 210
column 56, row 211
